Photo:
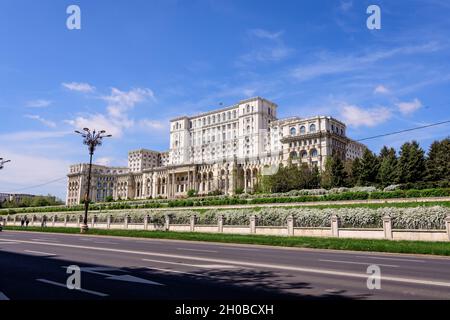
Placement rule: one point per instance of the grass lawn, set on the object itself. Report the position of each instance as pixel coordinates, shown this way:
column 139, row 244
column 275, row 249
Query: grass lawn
column 417, row 247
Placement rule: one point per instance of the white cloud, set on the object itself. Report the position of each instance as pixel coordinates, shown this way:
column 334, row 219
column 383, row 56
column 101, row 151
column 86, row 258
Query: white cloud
column 121, row 101
column 101, row 122
column 152, row 124
column 381, row 89
column 45, row 122
column 346, row 5
column 104, row 161
column 32, row 135
column 40, row 103
column 331, row 64
column 79, row 87
column 264, row 34
column 407, row 108
column 356, row 116
column 268, row 47
column 27, row 170
column 116, row 118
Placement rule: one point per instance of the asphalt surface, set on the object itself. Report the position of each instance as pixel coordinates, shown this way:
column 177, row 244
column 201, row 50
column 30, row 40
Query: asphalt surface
column 34, row 266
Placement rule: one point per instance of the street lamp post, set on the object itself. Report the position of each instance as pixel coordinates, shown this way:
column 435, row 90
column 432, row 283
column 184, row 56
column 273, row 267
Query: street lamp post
column 2, row 162
column 92, row 140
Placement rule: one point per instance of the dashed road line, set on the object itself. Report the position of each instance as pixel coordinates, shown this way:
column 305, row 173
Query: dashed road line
column 206, row 266
column 41, row 253
column 197, row 250
column 360, row 263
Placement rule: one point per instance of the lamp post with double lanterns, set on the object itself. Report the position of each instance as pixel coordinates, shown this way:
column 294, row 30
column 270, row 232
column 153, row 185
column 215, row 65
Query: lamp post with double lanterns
column 92, row 140
column 2, row 162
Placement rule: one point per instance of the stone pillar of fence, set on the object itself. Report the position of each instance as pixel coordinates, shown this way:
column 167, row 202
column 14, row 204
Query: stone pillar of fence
column 5, row 221
column 93, row 221
column 290, row 225
column 79, row 221
column 54, row 220
column 108, row 221
column 192, row 224
column 146, row 221
column 127, row 221
column 447, row 226
column 335, row 226
column 220, row 223
column 14, row 220
column 167, row 223
column 387, row 227
column 65, row 220
column 253, row 223
column 33, row 220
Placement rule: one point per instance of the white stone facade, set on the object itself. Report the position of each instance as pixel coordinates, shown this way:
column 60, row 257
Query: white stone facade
column 218, row 151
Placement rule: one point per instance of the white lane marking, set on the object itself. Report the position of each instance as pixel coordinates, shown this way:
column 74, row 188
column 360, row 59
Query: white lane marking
column 3, row 296
column 104, row 242
column 65, row 286
column 2, row 243
column 42, row 239
column 243, row 249
column 207, row 266
column 361, row 263
column 250, row 264
column 41, row 253
column 196, row 250
column 176, row 271
column 393, row 259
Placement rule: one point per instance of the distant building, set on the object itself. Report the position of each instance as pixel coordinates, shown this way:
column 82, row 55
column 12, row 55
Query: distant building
column 221, row 150
column 15, row 197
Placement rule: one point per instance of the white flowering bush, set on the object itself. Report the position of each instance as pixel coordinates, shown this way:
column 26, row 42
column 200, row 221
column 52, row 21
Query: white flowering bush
column 402, row 218
column 392, row 187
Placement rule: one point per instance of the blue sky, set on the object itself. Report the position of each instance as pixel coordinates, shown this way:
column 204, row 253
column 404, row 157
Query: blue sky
column 136, row 64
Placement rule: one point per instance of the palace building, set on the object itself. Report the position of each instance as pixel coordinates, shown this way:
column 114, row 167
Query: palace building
column 219, row 151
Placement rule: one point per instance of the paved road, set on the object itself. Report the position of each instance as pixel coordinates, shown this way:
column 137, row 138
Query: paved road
column 33, row 266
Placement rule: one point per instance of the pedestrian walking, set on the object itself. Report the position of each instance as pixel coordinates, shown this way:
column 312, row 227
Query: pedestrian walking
column 22, row 222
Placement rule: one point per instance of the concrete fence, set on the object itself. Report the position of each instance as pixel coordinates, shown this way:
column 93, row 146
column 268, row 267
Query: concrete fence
column 335, row 230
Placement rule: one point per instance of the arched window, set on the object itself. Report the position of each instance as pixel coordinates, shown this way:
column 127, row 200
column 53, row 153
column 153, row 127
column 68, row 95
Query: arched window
column 302, row 130
column 314, row 153
column 303, row 154
column 293, row 155
column 293, row 131
column 312, row 128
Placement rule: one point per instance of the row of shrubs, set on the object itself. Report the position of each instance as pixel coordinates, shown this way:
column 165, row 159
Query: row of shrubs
column 431, row 218
column 194, row 202
column 360, row 195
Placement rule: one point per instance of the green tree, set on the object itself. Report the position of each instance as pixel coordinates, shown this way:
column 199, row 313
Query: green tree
column 387, row 174
column 411, row 164
column 326, row 174
column 438, row 161
column 338, row 174
column 368, row 171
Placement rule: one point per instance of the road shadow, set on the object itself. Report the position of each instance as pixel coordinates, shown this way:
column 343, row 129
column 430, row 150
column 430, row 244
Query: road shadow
column 21, row 276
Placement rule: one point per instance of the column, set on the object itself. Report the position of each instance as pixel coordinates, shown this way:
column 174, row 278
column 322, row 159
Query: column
column 290, row 225
column 253, row 224
column 447, row 226
column 335, row 226
column 387, row 227
column 220, row 223
column 245, row 180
